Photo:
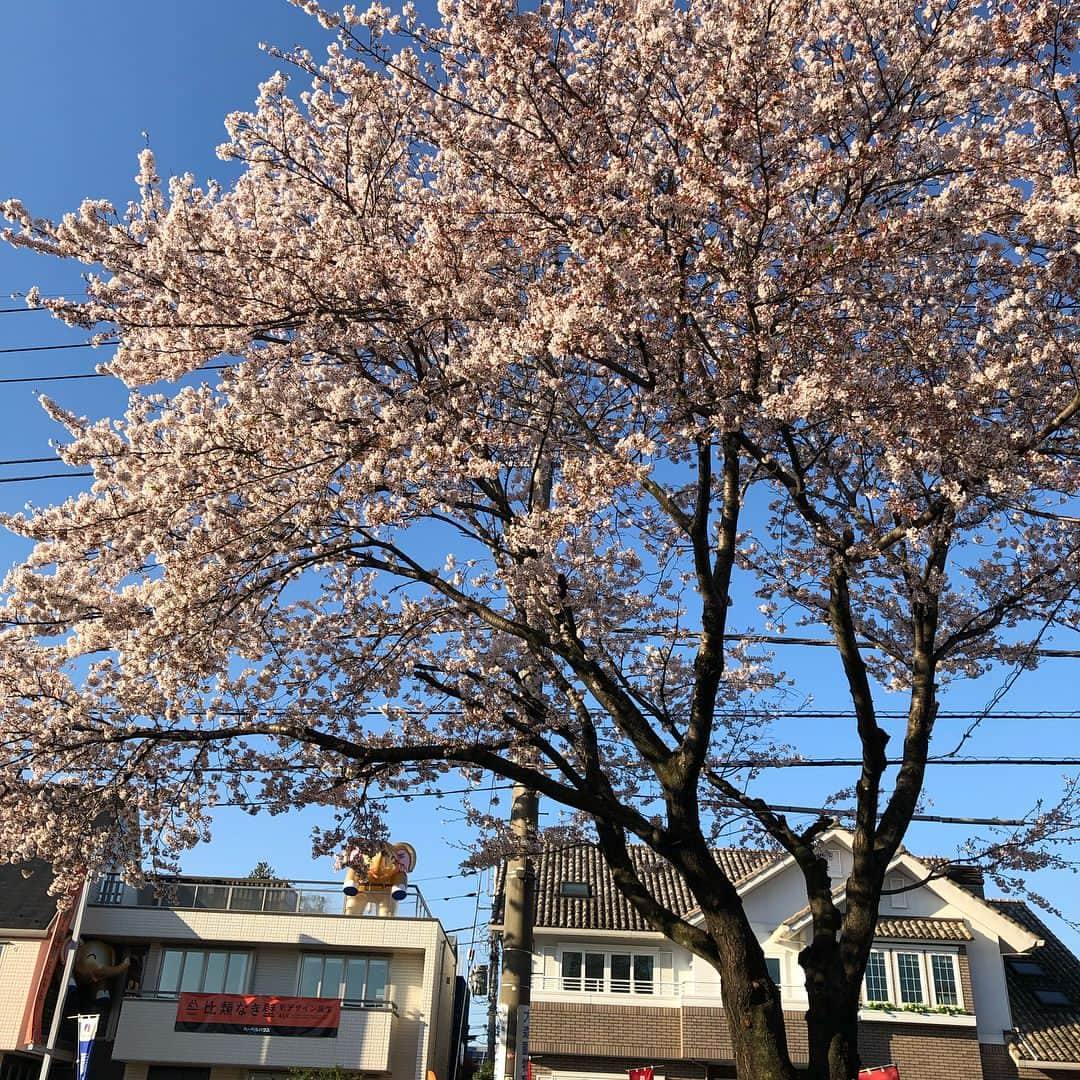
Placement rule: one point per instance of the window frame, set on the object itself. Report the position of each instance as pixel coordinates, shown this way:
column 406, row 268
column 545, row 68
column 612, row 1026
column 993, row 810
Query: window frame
column 205, row 954
column 583, row 983
column 929, row 983
column 347, row 960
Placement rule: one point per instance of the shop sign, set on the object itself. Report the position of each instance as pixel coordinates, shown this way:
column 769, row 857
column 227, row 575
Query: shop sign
column 258, row 1014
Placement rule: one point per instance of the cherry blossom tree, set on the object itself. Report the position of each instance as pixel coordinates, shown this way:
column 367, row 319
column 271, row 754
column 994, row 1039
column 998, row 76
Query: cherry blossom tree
column 547, row 338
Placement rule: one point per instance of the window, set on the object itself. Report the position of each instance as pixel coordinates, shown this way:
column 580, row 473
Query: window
column 897, row 900
column 909, row 968
column 614, row 973
column 773, row 965
column 348, row 978
column 1051, row 997
column 944, row 979
column 877, row 979
column 203, row 971
column 110, row 889
column 575, row 888
column 1021, row 966
column 913, row 977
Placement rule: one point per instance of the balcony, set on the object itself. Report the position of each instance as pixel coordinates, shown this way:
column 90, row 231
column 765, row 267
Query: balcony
column 242, row 895
column 146, row 1033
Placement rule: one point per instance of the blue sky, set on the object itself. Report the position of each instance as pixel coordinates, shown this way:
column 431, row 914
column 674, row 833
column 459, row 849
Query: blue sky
column 80, row 84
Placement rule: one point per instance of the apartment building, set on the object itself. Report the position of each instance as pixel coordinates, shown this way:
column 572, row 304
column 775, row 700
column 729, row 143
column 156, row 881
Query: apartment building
column 32, row 939
column 234, row 979
column 957, row 986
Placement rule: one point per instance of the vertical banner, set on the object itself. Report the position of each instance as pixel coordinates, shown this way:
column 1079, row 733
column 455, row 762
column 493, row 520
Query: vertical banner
column 502, row 1022
column 87, row 1031
column 522, row 1048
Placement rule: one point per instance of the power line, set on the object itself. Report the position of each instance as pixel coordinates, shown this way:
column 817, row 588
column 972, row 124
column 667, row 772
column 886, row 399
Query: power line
column 815, row 811
column 55, row 348
column 43, row 476
column 55, row 378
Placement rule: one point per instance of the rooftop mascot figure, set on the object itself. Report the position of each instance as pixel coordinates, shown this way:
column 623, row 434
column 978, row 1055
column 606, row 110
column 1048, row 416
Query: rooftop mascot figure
column 378, row 878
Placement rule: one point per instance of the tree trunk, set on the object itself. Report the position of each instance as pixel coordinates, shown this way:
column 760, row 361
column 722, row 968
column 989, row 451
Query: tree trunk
column 751, row 1002
column 832, row 1019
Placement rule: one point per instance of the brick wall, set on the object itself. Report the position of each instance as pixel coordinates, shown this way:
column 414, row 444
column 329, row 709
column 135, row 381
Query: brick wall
column 998, row 1065
column 967, row 993
column 591, row 1031
column 551, row 1064
column 587, row 1028
column 923, row 1051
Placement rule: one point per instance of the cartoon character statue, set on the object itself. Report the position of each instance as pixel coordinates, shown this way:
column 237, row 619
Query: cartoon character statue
column 383, row 881
column 96, row 967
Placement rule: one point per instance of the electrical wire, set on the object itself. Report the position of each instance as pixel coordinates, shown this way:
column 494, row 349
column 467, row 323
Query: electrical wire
column 55, row 348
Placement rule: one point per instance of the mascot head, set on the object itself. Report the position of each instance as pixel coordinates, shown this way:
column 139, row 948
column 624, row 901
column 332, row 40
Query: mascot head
column 384, row 871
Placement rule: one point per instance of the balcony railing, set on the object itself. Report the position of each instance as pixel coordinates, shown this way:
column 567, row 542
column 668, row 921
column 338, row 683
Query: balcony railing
column 245, row 895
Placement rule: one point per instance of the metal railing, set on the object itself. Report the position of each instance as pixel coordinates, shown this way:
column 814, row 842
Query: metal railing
column 641, row 990
column 228, row 894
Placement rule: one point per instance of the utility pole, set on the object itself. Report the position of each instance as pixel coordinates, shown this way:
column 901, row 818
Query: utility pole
column 515, row 981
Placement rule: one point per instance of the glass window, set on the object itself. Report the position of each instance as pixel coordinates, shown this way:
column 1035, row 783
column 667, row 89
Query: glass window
column 772, row 963
column 214, row 979
column 350, row 978
column 198, row 971
column 944, row 976
column 617, row 973
column 310, row 976
column 877, row 979
column 236, row 975
column 643, row 974
column 378, row 976
column 620, row 973
column 333, row 976
column 571, row 970
column 355, row 979
column 171, row 963
column 909, row 971
column 191, row 979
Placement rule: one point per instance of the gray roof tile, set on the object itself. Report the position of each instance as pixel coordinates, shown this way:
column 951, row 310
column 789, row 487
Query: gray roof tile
column 1047, row 1033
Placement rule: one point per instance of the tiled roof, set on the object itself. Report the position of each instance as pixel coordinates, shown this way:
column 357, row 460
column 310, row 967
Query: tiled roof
column 25, row 903
column 918, row 929
column 1046, row 1032
column 605, row 908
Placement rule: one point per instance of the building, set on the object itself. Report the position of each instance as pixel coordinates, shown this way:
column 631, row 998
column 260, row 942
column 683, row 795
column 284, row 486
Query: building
column 32, row 938
column 957, row 985
column 240, row 979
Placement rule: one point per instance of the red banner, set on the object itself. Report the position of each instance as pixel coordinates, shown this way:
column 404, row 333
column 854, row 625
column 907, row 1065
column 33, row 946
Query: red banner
column 882, row 1072
column 644, row 1073
column 258, row 1014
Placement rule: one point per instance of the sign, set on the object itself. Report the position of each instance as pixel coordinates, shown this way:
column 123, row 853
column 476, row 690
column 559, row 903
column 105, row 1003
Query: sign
column 87, row 1031
column 522, row 1058
column 882, row 1072
column 502, row 1022
column 258, row 1014
column 644, row 1073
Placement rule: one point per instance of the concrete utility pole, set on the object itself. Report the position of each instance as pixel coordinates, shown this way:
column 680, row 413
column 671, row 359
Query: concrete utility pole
column 515, row 982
